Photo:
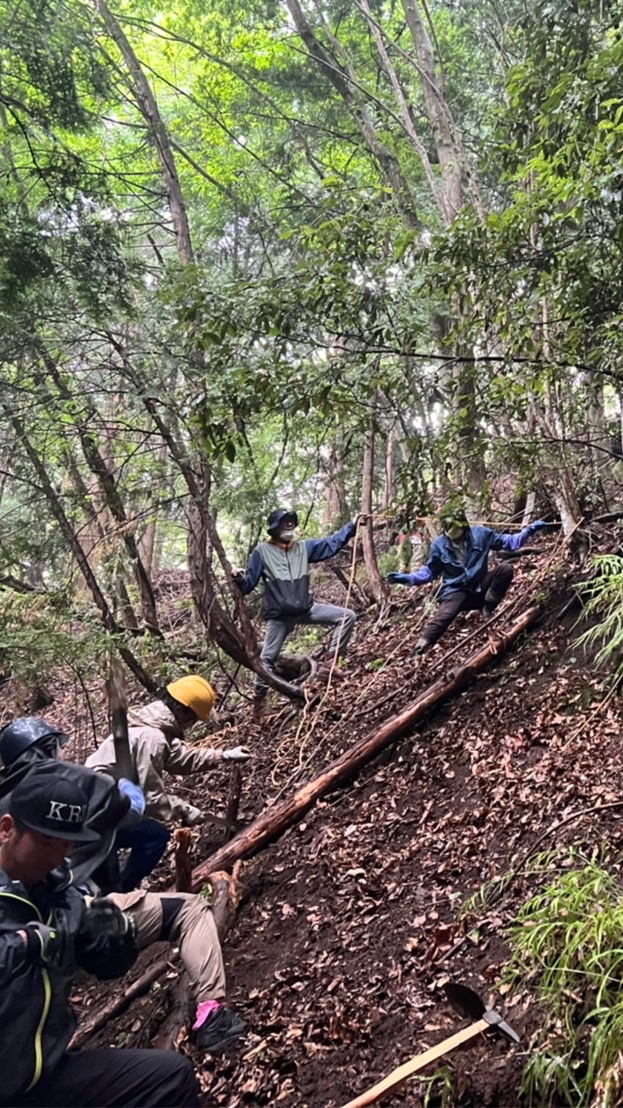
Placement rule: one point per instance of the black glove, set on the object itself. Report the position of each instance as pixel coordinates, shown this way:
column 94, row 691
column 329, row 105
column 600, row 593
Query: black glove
column 106, row 944
column 103, row 919
column 44, row 945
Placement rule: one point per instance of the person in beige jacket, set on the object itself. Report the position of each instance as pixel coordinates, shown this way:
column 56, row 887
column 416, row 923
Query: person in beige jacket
column 156, row 733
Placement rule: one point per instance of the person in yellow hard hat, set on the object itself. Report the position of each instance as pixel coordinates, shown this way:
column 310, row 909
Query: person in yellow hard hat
column 156, row 747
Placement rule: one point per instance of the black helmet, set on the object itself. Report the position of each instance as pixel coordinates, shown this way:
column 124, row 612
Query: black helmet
column 21, row 734
column 279, row 516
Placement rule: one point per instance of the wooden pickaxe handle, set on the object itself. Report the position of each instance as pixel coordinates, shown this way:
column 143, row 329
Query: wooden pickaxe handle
column 397, row 1076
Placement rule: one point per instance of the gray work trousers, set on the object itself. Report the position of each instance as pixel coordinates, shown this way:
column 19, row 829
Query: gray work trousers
column 327, row 615
column 194, row 931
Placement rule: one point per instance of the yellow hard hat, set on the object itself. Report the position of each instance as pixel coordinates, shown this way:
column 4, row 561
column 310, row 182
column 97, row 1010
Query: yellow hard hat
column 195, row 692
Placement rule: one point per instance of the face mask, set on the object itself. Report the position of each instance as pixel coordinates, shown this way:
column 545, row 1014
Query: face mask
column 454, row 531
column 286, row 536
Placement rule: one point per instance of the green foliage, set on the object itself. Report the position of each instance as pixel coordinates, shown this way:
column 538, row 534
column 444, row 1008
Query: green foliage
column 36, row 638
column 605, row 601
column 566, row 949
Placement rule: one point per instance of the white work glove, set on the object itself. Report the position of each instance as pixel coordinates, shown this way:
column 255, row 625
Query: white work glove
column 237, row 754
column 192, row 816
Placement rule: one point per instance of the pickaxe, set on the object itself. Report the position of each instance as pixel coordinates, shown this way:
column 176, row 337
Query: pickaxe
column 467, row 1003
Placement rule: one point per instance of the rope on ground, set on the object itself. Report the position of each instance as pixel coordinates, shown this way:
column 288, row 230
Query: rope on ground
column 279, row 758
column 504, row 611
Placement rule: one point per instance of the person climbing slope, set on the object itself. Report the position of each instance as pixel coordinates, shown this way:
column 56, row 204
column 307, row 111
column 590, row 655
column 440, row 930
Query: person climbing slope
column 460, row 556
column 155, row 735
column 283, row 563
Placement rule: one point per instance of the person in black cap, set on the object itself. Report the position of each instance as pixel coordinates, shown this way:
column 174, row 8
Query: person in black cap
column 283, row 562
column 48, row 932
column 184, row 919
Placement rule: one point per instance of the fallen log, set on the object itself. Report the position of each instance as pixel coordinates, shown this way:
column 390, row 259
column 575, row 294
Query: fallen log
column 227, row 895
column 276, row 819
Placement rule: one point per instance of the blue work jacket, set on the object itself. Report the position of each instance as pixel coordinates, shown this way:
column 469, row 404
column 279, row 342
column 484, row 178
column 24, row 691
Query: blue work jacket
column 444, row 562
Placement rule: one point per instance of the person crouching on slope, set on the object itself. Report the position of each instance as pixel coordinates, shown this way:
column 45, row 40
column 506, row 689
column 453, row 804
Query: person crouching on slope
column 283, row 562
column 459, row 556
column 156, row 747
column 48, row 932
column 183, row 919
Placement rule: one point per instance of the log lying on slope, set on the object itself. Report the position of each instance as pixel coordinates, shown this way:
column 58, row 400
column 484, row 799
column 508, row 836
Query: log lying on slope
column 279, row 817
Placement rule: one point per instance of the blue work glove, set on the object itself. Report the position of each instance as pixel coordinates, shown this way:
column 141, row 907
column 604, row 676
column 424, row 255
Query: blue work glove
column 134, row 794
column 540, row 525
column 398, row 579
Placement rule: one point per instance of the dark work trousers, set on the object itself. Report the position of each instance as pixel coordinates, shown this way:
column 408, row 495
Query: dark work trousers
column 493, row 589
column 146, row 842
column 116, row 1079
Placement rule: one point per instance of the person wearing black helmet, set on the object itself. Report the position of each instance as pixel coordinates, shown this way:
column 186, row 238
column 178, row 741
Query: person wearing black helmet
column 283, row 563
column 28, row 741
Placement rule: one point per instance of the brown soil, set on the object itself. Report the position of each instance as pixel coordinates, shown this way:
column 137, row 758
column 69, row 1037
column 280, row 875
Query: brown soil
column 354, row 919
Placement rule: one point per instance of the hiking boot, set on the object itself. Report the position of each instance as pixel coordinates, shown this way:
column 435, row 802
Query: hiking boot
column 220, row 1030
column 324, row 672
column 487, row 611
column 258, row 709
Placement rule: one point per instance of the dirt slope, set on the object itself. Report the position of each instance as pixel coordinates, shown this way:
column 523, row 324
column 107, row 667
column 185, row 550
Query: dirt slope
column 352, row 921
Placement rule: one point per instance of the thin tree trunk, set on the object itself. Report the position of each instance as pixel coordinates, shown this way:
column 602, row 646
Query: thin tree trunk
column 390, row 461
column 377, row 585
column 96, row 536
column 343, row 81
column 74, row 545
column 405, row 110
column 147, row 105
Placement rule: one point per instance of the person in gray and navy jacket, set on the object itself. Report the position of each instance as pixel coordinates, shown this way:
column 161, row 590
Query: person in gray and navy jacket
column 283, row 562
column 459, row 556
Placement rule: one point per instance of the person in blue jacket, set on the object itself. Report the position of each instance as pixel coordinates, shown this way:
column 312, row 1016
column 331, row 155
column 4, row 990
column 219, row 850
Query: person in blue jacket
column 283, row 563
column 460, row 556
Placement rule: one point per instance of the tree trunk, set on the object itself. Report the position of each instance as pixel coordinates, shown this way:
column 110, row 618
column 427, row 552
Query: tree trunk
column 334, row 493
column 343, row 80
column 390, row 461
column 377, row 585
column 148, row 107
column 101, row 470
column 74, row 545
column 279, row 817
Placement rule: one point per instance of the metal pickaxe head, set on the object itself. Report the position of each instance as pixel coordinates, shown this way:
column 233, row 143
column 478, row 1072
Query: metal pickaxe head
column 467, row 1003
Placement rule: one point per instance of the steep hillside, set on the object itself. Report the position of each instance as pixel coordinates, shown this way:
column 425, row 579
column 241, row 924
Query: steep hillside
column 353, row 920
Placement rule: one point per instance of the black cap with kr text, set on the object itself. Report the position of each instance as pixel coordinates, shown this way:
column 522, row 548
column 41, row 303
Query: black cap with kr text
column 46, row 800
